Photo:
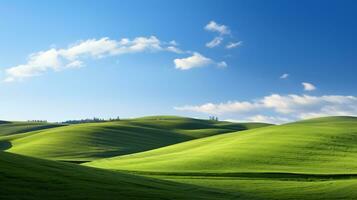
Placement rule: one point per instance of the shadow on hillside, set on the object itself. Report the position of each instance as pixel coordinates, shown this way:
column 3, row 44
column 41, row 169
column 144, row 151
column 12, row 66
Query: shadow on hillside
column 74, row 161
column 255, row 175
column 5, row 145
column 37, row 128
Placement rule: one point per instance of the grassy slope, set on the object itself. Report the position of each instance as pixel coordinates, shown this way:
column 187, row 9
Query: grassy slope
column 327, row 145
column 196, row 128
column 251, row 189
column 11, row 128
column 86, row 142
column 29, row 178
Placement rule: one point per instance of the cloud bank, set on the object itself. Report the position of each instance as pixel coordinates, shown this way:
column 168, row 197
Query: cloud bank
column 280, row 108
column 74, row 56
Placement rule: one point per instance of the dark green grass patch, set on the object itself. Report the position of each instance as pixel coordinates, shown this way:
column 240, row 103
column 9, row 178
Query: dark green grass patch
column 28, row 178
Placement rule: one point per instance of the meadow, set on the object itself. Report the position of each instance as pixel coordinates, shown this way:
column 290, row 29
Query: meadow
column 168, row 157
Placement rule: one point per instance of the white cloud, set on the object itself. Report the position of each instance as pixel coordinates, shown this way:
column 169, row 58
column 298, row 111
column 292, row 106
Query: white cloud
column 260, row 118
column 214, row 27
column 297, row 104
column 232, row 45
column 268, row 119
column 284, row 76
column 196, row 60
column 278, row 107
column 222, row 64
column 37, row 63
column 73, row 56
column 222, row 108
column 308, row 86
column 215, row 42
column 223, row 30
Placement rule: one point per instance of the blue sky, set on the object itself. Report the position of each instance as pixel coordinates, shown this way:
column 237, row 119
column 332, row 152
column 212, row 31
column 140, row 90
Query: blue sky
column 80, row 59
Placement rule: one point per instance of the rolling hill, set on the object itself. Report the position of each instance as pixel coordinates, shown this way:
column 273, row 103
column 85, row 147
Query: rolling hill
column 11, row 128
column 29, row 178
column 325, row 145
column 90, row 141
column 165, row 157
column 311, row 159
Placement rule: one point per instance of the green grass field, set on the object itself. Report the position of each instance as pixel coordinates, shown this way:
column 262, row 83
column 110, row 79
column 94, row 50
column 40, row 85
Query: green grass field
column 165, row 157
column 29, row 178
column 322, row 146
column 275, row 188
column 276, row 162
column 90, row 141
column 11, row 128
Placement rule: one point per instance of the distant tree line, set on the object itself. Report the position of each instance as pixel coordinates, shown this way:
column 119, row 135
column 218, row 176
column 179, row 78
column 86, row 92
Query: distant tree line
column 213, row 118
column 90, row 120
column 43, row 121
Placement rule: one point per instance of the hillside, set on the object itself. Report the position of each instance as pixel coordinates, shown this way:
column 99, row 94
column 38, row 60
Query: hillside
column 318, row 146
column 311, row 160
column 29, row 178
column 11, row 128
column 196, row 128
column 90, row 141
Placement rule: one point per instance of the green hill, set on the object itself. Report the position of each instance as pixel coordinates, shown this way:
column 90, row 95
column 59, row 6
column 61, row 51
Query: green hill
column 278, row 188
column 195, row 128
column 310, row 159
column 90, row 141
column 11, row 128
column 29, row 178
column 327, row 145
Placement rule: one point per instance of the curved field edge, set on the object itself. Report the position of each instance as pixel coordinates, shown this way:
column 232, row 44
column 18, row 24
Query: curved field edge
column 30, row 178
column 10, row 131
column 277, row 189
column 318, row 146
column 250, row 175
column 13, row 128
column 91, row 141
